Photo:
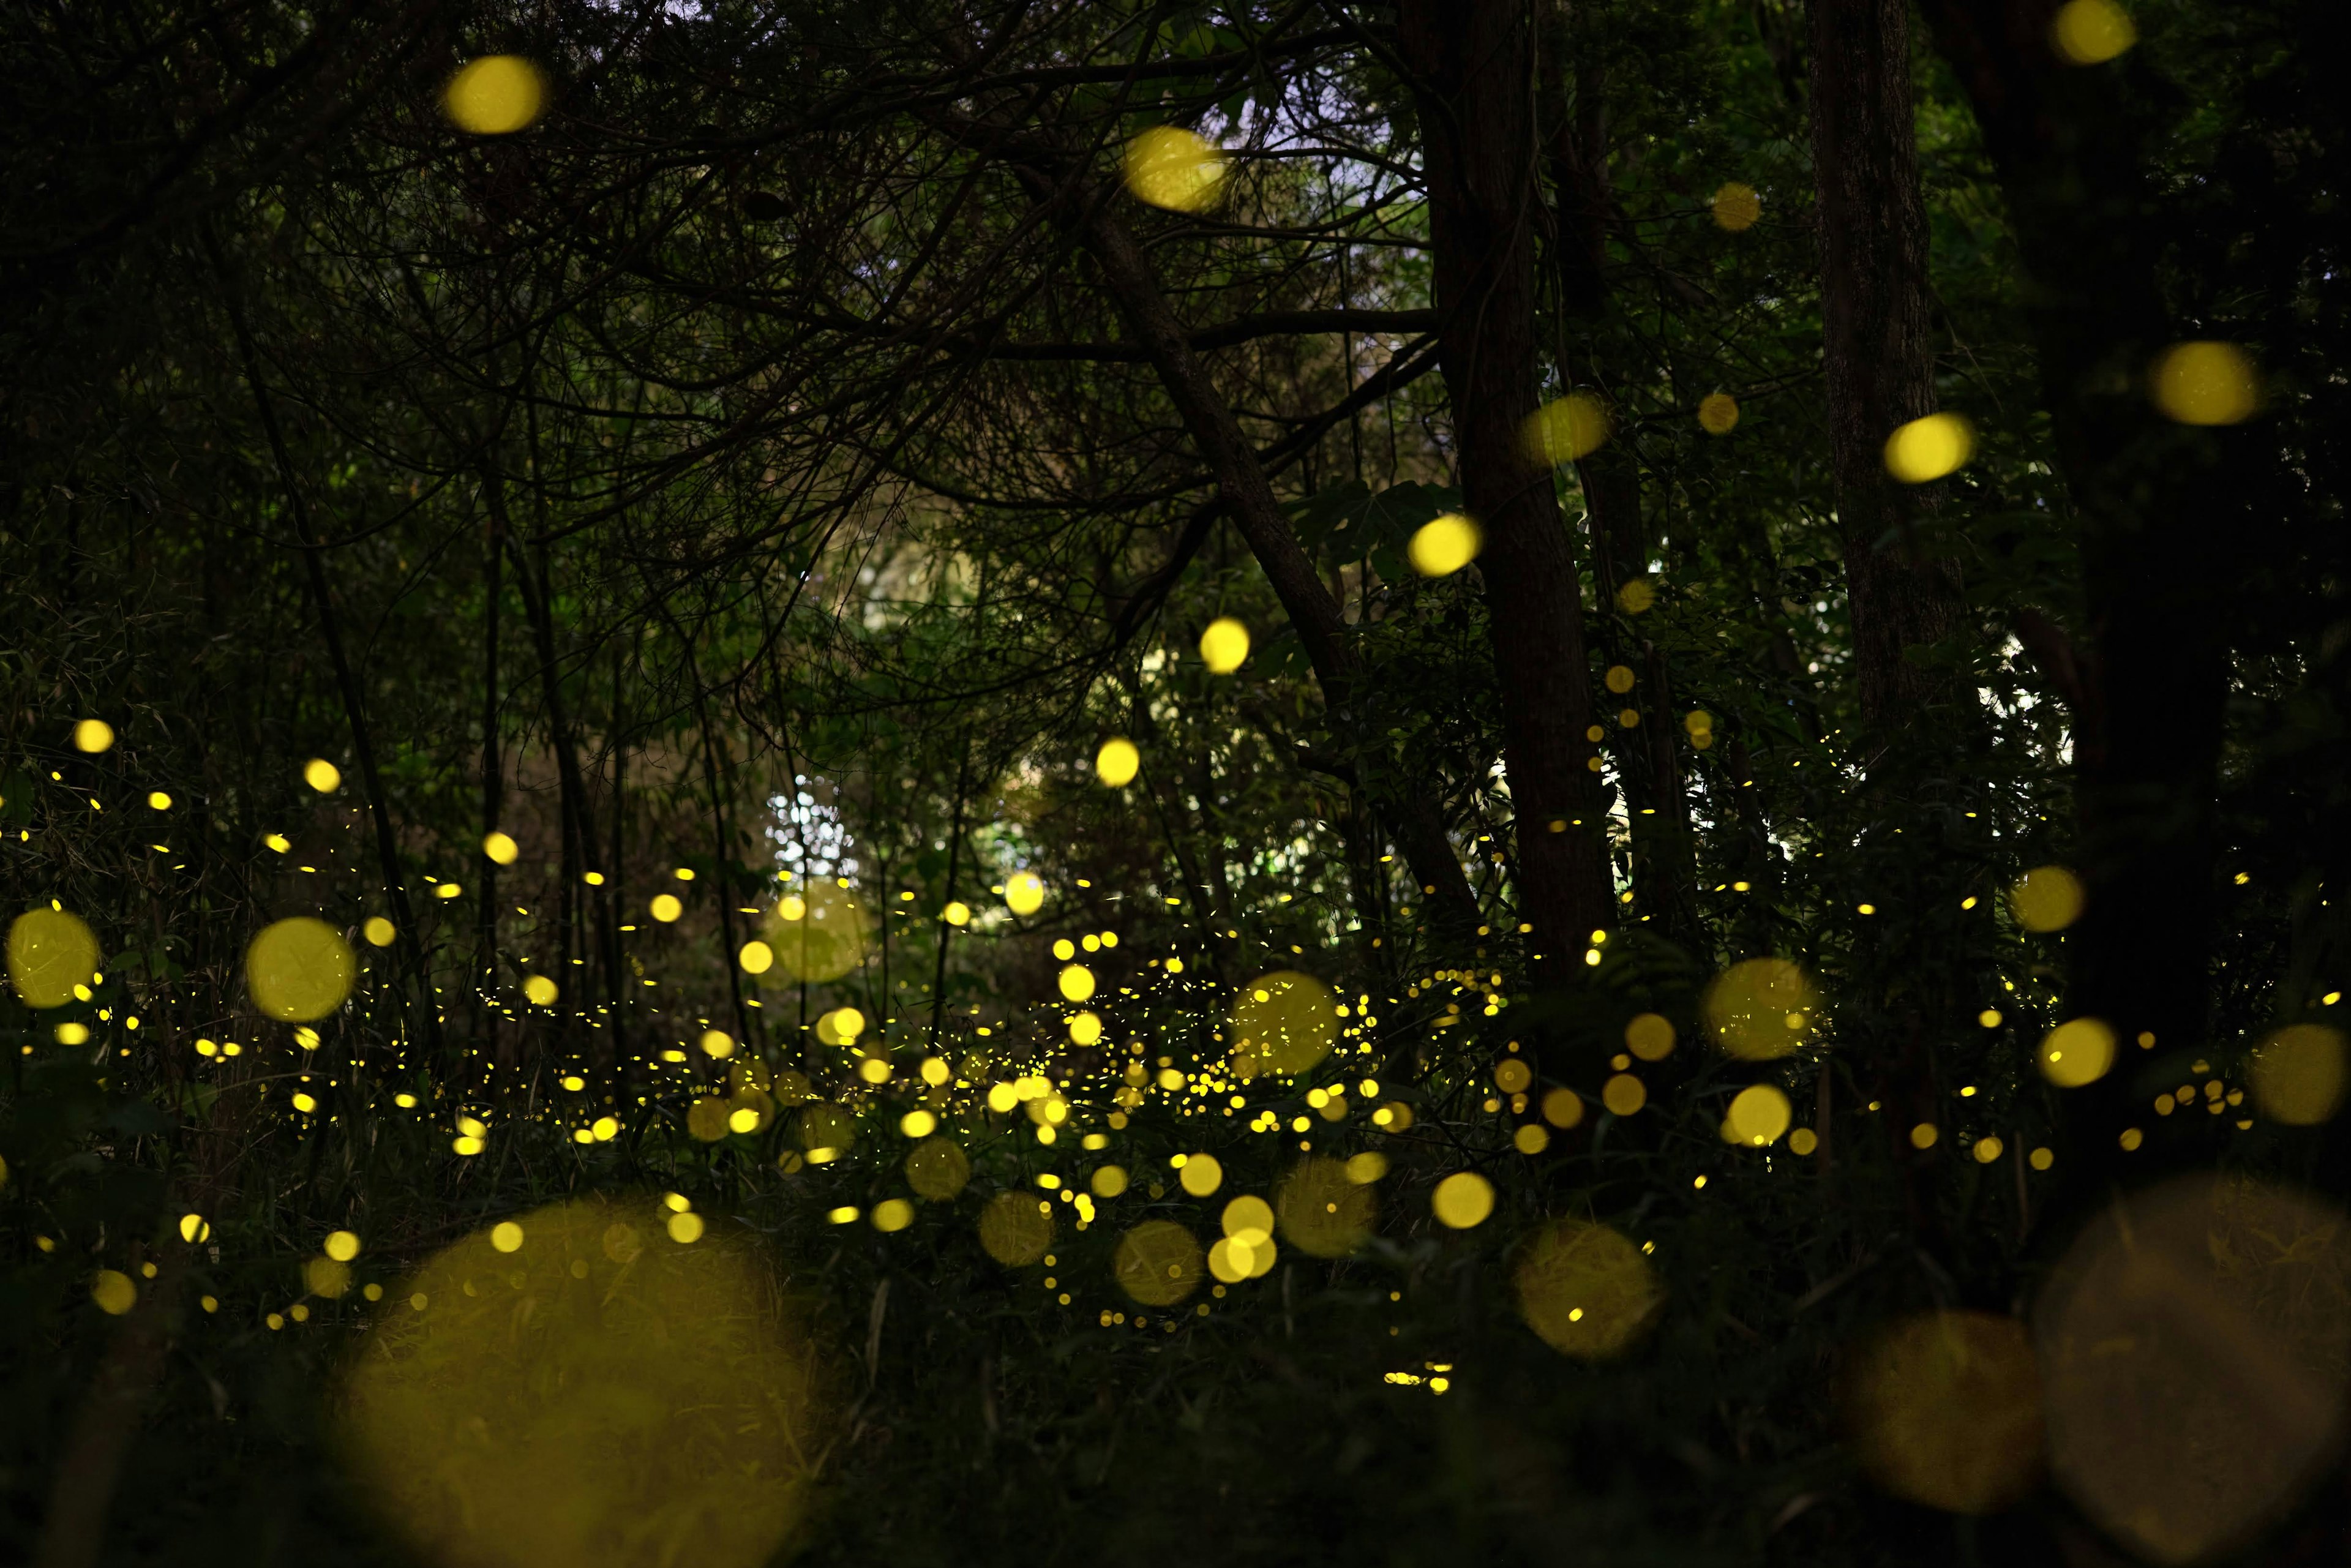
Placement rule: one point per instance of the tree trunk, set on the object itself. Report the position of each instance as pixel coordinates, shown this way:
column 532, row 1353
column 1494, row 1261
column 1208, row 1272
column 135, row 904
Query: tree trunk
column 1879, row 358
column 1474, row 59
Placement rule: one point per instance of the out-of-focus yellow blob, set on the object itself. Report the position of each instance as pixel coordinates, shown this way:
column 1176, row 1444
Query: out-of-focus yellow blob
column 342, row 1245
column 849, row 1023
column 193, row 1227
column 1563, row 1107
column 1624, row 1094
column 1109, row 1181
column 938, row 1169
column 1761, row 1009
column 1636, row 596
column 2076, row 1052
column 1086, row 1028
column 1324, row 1212
column 1928, row 449
column 1224, row 646
column 1565, row 429
column 893, row 1214
column 717, row 1044
column 1250, row 1219
column 113, row 1292
column 378, row 931
column 322, row 776
column 665, row 907
column 825, row 1126
column 1201, row 1175
column 685, row 1229
column 72, row 1034
column 1232, row 1259
column 1463, row 1199
column 158, row 800
column 1023, row 892
column 93, row 736
column 1988, row 1149
column 1650, row 1037
column 831, row 937
column 1511, row 1075
column 2090, row 32
column 2298, row 1074
column 756, row 958
column 1718, row 413
column 501, row 848
column 2205, row 383
column 1283, row 1023
column 49, row 954
column 540, row 990
column 2192, row 1345
column 1760, row 1114
column 1443, row 546
column 1804, row 1141
column 2046, row 898
column 299, row 970
column 1736, row 207
column 1169, row 167
column 495, row 96
column 326, row 1277
column 1945, row 1409
column 1585, row 1290
column 1117, row 762
column 1016, row 1227
column 1366, row 1167
column 957, row 912
column 1076, row 982
column 1158, row 1264
column 506, row 1236
column 588, row 1400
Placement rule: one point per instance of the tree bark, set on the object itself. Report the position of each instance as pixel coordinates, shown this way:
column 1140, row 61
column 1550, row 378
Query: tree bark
column 1880, row 359
column 1474, row 61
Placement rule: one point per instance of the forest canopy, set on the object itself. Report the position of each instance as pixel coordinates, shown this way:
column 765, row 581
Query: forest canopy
column 1301, row 782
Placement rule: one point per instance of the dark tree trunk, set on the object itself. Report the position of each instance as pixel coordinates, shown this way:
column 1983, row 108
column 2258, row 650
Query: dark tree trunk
column 1474, row 60
column 1880, row 359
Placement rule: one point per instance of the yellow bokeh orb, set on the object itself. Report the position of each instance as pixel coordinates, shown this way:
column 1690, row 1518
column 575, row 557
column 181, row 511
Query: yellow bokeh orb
column 756, row 958
column 1636, row 597
column 832, row 936
column 2298, row 1075
column 500, row 847
column 496, row 95
column 825, row 1126
column 1565, row 429
column 1108, row 1181
column 1563, row 1107
column 1117, row 762
column 378, row 931
column 1443, row 546
column 2076, row 1052
column 1086, row 1028
column 1016, row 1227
column 342, row 1245
column 1624, row 1094
column 1283, row 1023
column 1224, row 646
column 1760, row 1113
column 2205, row 383
column 665, row 907
column 1201, row 1175
column 93, row 736
column 1943, row 1409
column 113, row 1292
column 1463, row 1201
column 549, row 1405
column 1761, row 1009
column 539, row 989
column 893, row 1214
column 938, row 1169
column 1170, row 167
column 1928, row 449
column 2090, row 32
column 1718, row 413
column 2047, row 898
column 1736, row 207
column 1076, row 982
column 299, row 970
column 1023, row 892
column 1585, row 1290
column 1249, row 1218
column 1324, row 1211
column 1158, row 1264
column 322, row 776
column 1650, row 1037
column 49, row 953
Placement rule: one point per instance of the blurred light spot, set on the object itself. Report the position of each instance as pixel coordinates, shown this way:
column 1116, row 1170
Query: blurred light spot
column 1624, row 1094
column 1117, row 762
column 113, row 1292
column 1158, row 1264
column 938, row 1169
column 1760, row 1114
column 1987, row 1149
column 2298, row 1074
column 501, row 848
column 1944, row 1410
column 1169, row 167
column 1928, row 449
column 1201, row 1175
column 299, row 970
column 342, row 1245
column 1109, row 1181
column 507, row 1236
column 956, row 913
column 1804, row 1141
column 1463, row 1199
column 159, row 801
column 2193, row 1342
column 893, row 1214
column 1585, row 1290
column 93, row 736
column 1563, row 1107
column 1565, row 429
column 820, row 934
column 1718, row 413
column 2076, row 1052
column 686, row 1229
column 756, row 958
column 2046, row 898
column 194, row 1228
column 1324, row 1211
column 1443, row 546
column 1761, row 1009
column 540, row 990
column 1224, row 646
column 1636, row 596
column 1086, row 1028
column 322, row 776
column 1736, row 207
column 665, row 907
column 1016, row 1227
column 1076, row 983
column 1283, row 1023
column 495, row 96
column 2090, row 32
column 2205, row 383
column 50, row 952
column 378, row 931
